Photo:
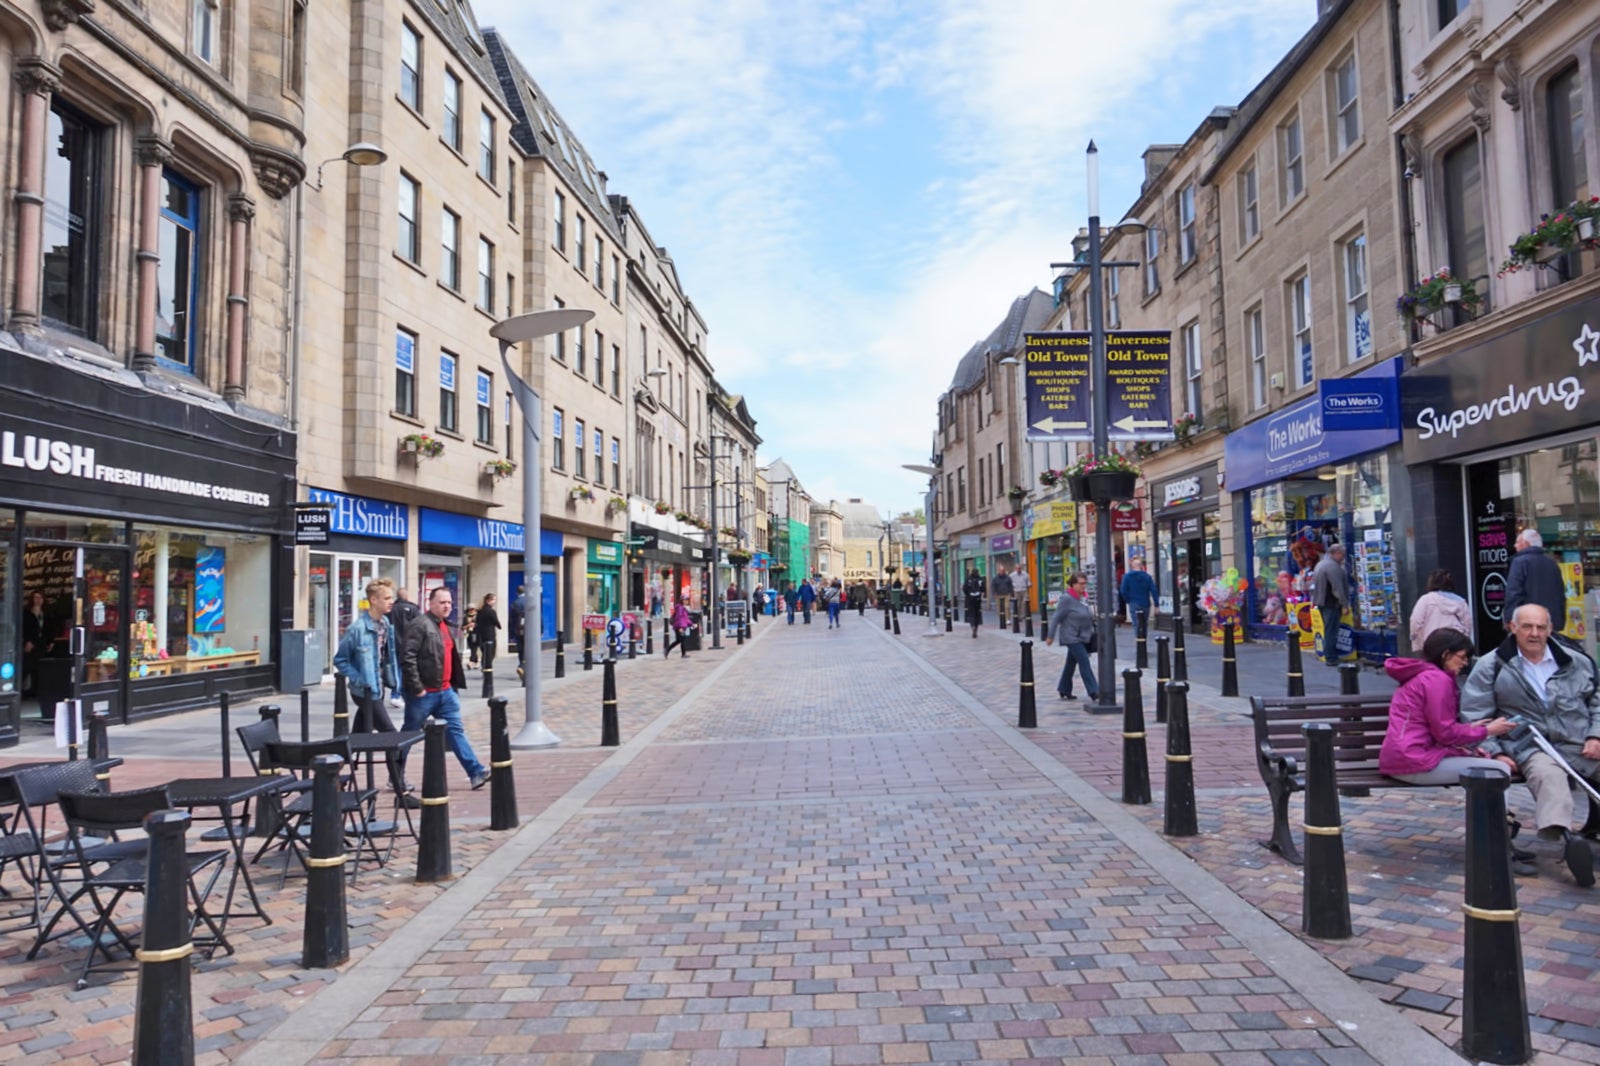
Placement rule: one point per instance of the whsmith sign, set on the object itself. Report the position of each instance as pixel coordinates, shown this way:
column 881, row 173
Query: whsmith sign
column 1527, row 383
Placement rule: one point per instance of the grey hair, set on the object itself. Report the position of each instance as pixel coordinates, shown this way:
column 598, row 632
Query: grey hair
column 1532, row 538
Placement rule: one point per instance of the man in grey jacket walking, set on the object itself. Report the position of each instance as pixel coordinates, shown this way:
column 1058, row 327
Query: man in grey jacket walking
column 1330, row 591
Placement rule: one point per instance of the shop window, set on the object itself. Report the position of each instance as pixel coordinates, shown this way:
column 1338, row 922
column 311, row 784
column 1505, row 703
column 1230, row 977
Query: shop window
column 578, row 440
column 1466, row 246
column 448, row 404
column 1357, row 313
column 558, row 445
column 450, row 249
column 485, row 408
column 486, row 146
column 410, row 67
column 451, row 133
column 199, row 601
column 70, row 285
column 1302, row 365
column 178, row 270
column 405, row 373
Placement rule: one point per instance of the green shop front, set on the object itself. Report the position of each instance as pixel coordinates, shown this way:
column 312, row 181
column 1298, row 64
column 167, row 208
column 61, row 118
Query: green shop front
column 603, row 578
column 1049, row 529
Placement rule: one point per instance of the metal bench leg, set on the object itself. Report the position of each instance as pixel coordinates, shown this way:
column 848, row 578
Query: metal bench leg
column 1282, row 839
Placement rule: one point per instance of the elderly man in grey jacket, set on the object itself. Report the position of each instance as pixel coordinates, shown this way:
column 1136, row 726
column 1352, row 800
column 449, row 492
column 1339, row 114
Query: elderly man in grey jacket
column 1550, row 685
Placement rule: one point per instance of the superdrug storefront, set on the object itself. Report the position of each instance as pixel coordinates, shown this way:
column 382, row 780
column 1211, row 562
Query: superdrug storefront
column 163, row 525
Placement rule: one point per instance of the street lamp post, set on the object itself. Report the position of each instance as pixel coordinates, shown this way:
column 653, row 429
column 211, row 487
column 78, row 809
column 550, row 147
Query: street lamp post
column 1105, row 572
column 511, row 332
column 930, row 574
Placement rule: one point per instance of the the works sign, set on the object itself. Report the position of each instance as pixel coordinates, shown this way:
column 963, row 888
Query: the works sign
column 1527, row 383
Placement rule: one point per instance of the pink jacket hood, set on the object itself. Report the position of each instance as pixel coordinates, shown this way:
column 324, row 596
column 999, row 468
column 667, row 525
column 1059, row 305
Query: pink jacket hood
column 1403, row 670
column 1423, row 720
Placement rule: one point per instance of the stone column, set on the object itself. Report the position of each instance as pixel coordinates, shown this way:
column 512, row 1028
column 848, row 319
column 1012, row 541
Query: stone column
column 153, row 154
column 37, row 79
column 241, row 210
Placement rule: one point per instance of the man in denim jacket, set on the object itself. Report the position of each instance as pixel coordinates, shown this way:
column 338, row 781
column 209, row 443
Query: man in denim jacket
column 369, row 659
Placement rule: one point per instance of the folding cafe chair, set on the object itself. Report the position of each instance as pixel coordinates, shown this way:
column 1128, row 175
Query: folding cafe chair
column 25, row 847
column 355, row 803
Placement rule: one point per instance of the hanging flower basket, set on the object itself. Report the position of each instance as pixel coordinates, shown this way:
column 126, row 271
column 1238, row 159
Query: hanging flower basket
column 738, row 558
column 663, row 507
column 1435, row 292
column 1103, row 477
column 1555, row 236
column 581, row 492
column 499, row 469
column 1184, row 426
column 422, row 446
column 616, row 503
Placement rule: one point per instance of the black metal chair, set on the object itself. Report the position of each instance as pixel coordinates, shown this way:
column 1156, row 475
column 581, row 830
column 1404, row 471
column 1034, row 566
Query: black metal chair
column 355, row 803
column 268, row 814
column 28, row 847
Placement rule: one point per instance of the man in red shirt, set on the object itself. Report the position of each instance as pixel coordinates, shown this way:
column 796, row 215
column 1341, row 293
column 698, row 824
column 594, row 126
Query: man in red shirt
column 430, row 664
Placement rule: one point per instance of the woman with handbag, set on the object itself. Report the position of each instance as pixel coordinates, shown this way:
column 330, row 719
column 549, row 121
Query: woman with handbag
column 681, row 624
column 1072, row 623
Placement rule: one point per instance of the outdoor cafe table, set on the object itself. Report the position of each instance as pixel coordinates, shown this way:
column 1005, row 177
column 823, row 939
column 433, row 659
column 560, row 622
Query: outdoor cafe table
column 392, row 745
column 223, row 794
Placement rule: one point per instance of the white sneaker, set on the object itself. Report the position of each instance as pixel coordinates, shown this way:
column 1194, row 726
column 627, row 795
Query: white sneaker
column 396, row 701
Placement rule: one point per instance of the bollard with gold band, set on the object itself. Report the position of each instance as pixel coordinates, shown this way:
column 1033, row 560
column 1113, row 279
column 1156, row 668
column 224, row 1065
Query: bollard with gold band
column 325, row 942
column 1135, row 757
column 1325, row 893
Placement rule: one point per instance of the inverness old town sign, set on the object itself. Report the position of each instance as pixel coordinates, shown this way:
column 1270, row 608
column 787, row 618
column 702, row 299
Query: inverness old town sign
column 1058, row 378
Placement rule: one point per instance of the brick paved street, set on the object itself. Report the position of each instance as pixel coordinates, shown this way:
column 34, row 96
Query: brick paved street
column 834, row 846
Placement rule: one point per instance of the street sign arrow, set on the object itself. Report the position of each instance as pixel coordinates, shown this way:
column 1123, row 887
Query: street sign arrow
column 1050, row 425
column 1130, row 424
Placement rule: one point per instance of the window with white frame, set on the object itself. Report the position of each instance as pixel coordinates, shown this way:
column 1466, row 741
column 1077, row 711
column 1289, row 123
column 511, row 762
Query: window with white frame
column 449, row 409
column 410, row 66
column 1346, row 119
column 600, row 263
column 1449, row 9
column 486, row 274
column 1357, row 311
column 616, row 464
column 600, row 359
column 599, row 456
column 405, row 373
column 1152, row 251
column 511, row 191
column 580, row 244
column 1113, row 299
column 1249, row 204
column 559, row 231
column 295, row 74
column 207, row 26
column 580, row 357
column 1255, row 339
column 1188, row 243
column 616, row 279
column 409, row 239
column 451, row 133
column 561, row 338
column 579, row 441
column 486, row 146
column 1193, row 367
column 616, row 370
column 450, row 249
column 485, row 405
column 1292, row 162
column 1302, row 366
column 558, row 444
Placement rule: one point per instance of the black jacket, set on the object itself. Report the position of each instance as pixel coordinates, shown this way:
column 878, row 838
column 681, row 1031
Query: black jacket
column 972, row 587
column 401, row 615
column 488, row 622
column 1534, row 577
column 422, row 664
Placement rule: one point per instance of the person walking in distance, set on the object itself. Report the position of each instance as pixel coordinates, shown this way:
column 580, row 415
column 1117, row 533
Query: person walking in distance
column 401, row 615
column 678, row 626
column 1439, row 608
column 791, row 600
column 1330, row 591
column 832, row 597
column 972, row 589
column 519, row 606
column 430, row 665
column 1072, row 623
column 1535, row 577
column 1019, row 590
column 808, row 597
column 368, row 659
column 488, row 624
column 1138, row 592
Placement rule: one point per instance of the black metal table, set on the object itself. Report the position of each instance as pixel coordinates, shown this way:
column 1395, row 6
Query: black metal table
column 392, row 745
column 223, row 794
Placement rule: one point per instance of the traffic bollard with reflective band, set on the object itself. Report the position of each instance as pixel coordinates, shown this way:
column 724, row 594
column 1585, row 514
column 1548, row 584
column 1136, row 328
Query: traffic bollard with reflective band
column 896, row 616
column 1230, row 663
column 1494, row 1002
column 433, row 834
column 1349, row 679
column 1016, row 619
column 1178, row 819
column 561, row 653
column 488, row 683
column 227, row 737
column 949, row 619
column 163, row 1018
column 633, row 642
column 502, row 782
column 1027, row 624
column 1027, row 709
column 1297, row 673
column 1163, row 678
column 1141, row 639
column 1135, row 757
column 610, row 730
column 1325, row 893
column 341, row 706
column 326, row 940
column 649, row 637
column 886, row 618
column 305, row 715
column 1180, row 657
column 588, row 650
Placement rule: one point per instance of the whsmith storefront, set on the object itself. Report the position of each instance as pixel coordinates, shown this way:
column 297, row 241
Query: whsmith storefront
column 1502, row 436
column 180, row 514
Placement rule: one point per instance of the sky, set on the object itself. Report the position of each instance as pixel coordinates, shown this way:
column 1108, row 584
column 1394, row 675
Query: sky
column 853, row 193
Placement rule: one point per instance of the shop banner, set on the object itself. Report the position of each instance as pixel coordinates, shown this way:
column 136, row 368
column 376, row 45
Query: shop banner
column 1002, row 544
column 1126, row 517
column 362, row 516
column 1057, row 377
column 1051, row 519
column 1294, row 440
column 311, row 523
column 1526, row 383
column 605, row 553
column 1355, row 403
column 461, row 530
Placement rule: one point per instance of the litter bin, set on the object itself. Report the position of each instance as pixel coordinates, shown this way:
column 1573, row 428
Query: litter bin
column 691, row 639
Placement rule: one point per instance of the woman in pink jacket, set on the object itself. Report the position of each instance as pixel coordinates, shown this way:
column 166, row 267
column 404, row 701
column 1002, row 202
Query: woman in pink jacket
column 1426, row 743
column 1439, row 608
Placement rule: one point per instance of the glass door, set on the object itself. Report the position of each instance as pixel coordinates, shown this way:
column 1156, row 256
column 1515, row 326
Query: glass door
column 319, row 605
column 354, row 573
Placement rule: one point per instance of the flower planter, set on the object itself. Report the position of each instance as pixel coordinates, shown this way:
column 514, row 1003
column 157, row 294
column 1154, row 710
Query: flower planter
column 1548, row 253
column 1586, row 229
column 408, row 446
column 1104, row 485
column 1452, row 294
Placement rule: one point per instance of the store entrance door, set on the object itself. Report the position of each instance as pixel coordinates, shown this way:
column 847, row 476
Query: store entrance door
column 97, row 601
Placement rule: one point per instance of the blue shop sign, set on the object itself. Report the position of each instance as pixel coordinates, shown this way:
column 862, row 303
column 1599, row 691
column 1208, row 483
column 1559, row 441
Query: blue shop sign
column 491, row 534
column 1359, row 403
column 1295, row 440
column 362, row 516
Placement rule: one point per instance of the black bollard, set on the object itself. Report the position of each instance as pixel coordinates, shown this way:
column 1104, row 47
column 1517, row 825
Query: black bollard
column 739, row 632
column 1027, row 709
column 896, row 616
column 1163, row 677
column 1297, row 673
column 1016, row 619
column 1141, row 639
column 227, row 738
column 649, row 637
column 325, row 943
column 1494, row 1001
column 1230, row 663
column 948, row 619
column 1027, row 624
column 502, row 782
column 588, row 650
column 610, row 730
column 1179, row 818
column 1180, row 657
column 1000, row 610
column 561, row 653
column 488, row 683
column 99, row 739
column 341, row 707
column 305, row 715
column 1325, row 894
column 163, row 1019
column 886, row 626
column 1349, row 679
column 1135, row 757
column 633, row 642
column 433, row 840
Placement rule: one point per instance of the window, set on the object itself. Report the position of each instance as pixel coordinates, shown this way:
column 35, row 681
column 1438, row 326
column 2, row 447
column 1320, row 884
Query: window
column 1152, row 250
column 1301, row 364
column 616, row 464
column 558, row 447
column 1357, row 314
column 1346, row 106
column 1569, row 172
column 409, row 237
column 600, row 264
column 599, row 457
column 410, row 67
column 1249, row 204
column 1292, row 177
column 600, row 359
column 486, row 275
column 580, row 244
column 71, row 238
column 405, row 373
column 1193, row 366
column 559, row 236
column 1188, row 246
column 1113, row 299
column 295, row 75
column 450, row 249
column 178, row 270
column 616, row 279
column 561, row 338
column 449, row 411
column 1255, row 339
column 451, row 134
column 511, row 438
column 486, row 146
column 511, row 191
column 511, row 294
column 580, row 358
column 961, row 489
column 616, row 370
column 578, row 441
column 1466, row 247
column 485, row 408
column 207, row 16
column 1449, row 9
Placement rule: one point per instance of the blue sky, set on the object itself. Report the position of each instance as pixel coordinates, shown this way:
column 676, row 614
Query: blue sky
column 854, row 192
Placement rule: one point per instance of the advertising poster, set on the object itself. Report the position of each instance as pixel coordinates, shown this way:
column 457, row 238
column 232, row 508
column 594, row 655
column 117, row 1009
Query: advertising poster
column 210, row 589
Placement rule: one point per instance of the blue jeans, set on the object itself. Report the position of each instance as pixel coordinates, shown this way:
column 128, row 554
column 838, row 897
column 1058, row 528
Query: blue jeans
column 789, row 605
column 833, row 613
column 447, row 708
column 1077, row 656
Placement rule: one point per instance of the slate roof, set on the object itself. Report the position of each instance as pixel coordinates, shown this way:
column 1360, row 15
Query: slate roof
column 1027, row 313
column 457, row 26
